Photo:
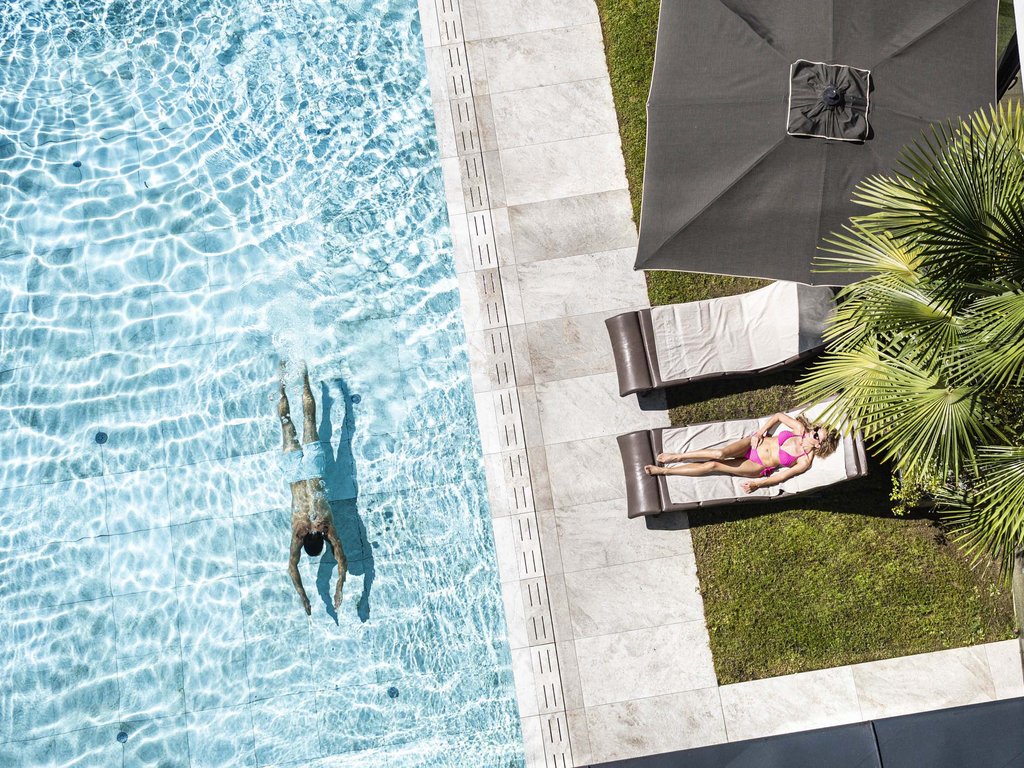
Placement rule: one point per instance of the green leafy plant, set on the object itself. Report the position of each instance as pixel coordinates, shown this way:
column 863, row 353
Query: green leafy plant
column 925, row 354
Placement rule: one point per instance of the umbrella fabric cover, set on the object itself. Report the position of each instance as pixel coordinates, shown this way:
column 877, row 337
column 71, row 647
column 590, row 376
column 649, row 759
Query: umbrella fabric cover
column 727, row 188
column 828, row 101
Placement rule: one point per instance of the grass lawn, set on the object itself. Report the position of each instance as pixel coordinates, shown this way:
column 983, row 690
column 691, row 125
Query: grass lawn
column 828, row 580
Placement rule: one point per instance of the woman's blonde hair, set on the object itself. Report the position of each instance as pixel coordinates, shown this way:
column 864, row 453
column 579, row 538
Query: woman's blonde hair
column 828, row 438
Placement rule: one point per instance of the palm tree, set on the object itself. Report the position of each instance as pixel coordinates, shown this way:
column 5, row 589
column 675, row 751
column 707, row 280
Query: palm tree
column 926, row 352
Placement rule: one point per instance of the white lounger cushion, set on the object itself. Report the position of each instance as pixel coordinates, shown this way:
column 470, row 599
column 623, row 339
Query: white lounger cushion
column 682, row 490
column 747, row 332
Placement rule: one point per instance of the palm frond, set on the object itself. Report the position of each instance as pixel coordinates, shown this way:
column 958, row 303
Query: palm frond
column 989, row 521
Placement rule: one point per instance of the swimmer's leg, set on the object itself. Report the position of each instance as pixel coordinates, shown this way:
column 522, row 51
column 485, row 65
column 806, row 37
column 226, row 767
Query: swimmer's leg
column 309, row 433
column 289, row 441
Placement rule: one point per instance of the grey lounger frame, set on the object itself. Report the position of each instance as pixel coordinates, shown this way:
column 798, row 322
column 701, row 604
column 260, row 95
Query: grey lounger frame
column 648, row 495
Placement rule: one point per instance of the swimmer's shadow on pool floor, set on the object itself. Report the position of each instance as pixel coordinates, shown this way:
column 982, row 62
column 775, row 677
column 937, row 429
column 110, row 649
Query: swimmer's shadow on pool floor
column 340, row 476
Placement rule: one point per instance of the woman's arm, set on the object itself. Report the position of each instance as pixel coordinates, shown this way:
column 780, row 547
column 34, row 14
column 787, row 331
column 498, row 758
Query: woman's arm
column 801, row 466
column 763, row 430
column 795, row 426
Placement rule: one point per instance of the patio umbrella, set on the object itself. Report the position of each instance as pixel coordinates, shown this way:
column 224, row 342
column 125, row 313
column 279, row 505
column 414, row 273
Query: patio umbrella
column 764, row 114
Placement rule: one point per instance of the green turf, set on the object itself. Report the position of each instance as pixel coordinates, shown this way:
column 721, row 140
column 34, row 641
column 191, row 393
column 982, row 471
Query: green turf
column 831, row 580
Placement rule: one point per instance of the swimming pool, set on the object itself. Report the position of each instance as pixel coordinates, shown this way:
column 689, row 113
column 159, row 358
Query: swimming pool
column 192, row 192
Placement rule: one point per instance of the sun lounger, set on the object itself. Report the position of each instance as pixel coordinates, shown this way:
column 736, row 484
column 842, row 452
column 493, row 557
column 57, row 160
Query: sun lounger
column 752, row 333
column 647, row 495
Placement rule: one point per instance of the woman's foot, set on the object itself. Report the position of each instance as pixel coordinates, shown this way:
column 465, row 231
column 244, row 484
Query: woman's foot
column 667, row 458
column 650, row 469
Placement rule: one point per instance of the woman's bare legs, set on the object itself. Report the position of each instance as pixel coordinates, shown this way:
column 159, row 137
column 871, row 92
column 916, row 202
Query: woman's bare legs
column 737, row 449
column 737, row 467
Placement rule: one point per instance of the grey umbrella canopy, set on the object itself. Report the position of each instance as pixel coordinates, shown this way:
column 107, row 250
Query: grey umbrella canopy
column 764, row 114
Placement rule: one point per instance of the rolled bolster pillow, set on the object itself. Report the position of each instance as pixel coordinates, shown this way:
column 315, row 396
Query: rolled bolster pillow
column 630, row 354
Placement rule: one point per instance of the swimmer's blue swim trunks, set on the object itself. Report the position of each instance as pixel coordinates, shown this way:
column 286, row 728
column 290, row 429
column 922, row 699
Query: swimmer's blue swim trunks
column 304, row 464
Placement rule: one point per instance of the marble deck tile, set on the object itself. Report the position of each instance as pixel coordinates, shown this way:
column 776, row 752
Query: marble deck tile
column 522, row 358
column 790, row 703
column 579, row 737
column 684, row 720
column 526, row 687
column 567, row 347
column 548, row 532
column 558, row 604
column 645, row 662
column 566, row 168
column 554, row 289
column 569, row 671
column 529, row 409
column 428, row 22
column 1004, row 661
column 589, row 406
column 553, row 113
column 494, row 18
column 599, row 534
column 923, row 682
column 639, row 595
column 515, row 615
column 584, row 471
column 540, row 58
column 533, row 742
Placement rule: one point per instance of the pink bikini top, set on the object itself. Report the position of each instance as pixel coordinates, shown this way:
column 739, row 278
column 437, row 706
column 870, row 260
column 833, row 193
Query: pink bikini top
column 786, row 459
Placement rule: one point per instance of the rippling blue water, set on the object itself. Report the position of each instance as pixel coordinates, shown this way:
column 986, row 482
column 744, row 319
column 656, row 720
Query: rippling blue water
column 190, row 192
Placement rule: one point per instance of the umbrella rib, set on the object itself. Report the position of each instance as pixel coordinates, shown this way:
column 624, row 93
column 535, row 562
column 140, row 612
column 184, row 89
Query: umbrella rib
column 715, row 199
column 928, row 31
column 772, row 47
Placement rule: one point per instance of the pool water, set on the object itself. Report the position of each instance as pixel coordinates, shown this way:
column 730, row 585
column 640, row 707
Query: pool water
column 193, row 192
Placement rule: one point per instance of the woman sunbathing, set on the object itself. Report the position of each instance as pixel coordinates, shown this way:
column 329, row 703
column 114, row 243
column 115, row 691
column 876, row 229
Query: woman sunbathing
column 791, row 452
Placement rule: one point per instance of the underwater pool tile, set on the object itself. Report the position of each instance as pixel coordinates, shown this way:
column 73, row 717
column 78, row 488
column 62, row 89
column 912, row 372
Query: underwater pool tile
column 210, row 609
column 203, row 550
column 256, row 484
column 161, row 741
column 279, row 665
column 270, row 604
column 353, row 718
column 199, row 491
column 222, row 738
column 261, row 541
column 147, row 623
column 282, row 729
column 215, row 674
column 91, row 746
column 141, row 561
column 151, row 686
column 135, row 501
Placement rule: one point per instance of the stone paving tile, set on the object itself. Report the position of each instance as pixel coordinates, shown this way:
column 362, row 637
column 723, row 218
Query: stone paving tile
column 553, row 113
column 534, row 59
column 646, row 726
column 554, row 288
column 566, row 168
column 923, row 682
column 648, row 593
column 589, row 406
column 1004, row 661
column 599, row 534
column 645, row 662
column 494, row 18
column 584, row 471
column 790, row 703
column 567, row 347
column 571, row 226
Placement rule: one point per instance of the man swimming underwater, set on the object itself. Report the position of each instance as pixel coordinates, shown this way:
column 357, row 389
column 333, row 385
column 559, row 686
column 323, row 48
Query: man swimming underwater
column 303, row 467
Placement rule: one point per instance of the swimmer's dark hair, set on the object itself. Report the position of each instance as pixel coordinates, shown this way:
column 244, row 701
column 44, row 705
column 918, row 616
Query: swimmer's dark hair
column 313, row 543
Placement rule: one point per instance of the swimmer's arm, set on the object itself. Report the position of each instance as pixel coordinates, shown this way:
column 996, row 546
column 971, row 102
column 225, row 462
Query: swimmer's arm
column 293, row 571
column 339, row 555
